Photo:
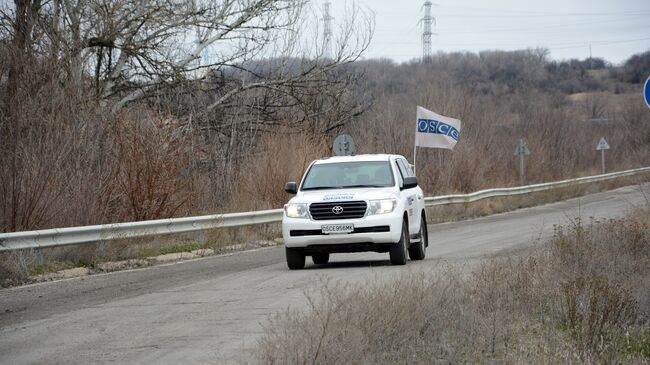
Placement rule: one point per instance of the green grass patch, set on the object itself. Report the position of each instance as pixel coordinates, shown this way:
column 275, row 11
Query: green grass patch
column 54, row 266
column 638, row 343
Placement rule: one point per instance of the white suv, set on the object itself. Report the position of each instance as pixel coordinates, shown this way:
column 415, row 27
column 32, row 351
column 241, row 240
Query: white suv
column 355, row 204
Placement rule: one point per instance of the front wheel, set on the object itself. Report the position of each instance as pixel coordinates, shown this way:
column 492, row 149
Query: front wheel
column 418, row 250
column 320, row 258
column 295, row 258
column 398, row 250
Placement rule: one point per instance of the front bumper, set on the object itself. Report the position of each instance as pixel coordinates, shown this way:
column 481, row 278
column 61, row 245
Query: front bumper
column 374, row 229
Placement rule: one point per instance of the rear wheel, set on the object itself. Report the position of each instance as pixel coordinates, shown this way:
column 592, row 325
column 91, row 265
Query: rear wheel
column 398, row 250
column 418, row 250
column 295, row 258
column 320, row 258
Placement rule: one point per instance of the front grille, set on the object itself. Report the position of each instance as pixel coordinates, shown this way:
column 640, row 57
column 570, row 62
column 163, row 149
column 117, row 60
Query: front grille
column 323, row 211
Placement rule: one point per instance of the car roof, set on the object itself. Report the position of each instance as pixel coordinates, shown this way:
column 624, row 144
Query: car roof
column 357, row 158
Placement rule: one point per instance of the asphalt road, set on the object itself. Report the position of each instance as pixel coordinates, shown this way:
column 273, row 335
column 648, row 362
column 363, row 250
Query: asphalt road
column 212, row 310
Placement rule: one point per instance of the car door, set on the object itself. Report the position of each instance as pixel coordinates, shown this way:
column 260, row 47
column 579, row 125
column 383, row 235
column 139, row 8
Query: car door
column 419, row 197
column 413, row 196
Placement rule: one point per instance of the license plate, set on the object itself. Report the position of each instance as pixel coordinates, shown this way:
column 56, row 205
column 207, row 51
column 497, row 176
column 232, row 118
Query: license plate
column 337, row 228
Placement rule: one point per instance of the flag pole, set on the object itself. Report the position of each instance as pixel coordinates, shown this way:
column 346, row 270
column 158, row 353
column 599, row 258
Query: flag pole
column 415, row 140
column 415, row 152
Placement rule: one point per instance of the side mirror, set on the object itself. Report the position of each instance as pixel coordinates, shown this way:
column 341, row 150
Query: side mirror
column 291, row 187
column 410, row 182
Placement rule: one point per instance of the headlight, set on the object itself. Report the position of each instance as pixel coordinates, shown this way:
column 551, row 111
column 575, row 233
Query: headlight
column 382, row 206
column 296, row 210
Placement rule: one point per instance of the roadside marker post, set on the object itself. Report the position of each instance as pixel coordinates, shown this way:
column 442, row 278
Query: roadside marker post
column 646, row 92
column 602, row 146
column 522, row 150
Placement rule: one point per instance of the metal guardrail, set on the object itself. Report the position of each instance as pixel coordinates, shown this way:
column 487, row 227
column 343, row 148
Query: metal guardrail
column 518, row 190
column 74, row 235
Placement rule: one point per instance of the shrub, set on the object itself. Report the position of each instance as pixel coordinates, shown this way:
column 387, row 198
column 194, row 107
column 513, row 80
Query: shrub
column 574, row 300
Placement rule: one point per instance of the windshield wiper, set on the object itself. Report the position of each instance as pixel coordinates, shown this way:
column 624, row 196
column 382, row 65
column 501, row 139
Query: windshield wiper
column 321, row 187
column 363, row 186
column 343, row 187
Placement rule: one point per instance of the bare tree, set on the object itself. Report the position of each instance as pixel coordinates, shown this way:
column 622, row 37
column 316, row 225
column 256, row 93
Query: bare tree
column 65, row 65
column 136, row 49
column 141, row 48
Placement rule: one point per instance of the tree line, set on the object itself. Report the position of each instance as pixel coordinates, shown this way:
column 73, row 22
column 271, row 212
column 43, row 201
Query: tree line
column 130, row 110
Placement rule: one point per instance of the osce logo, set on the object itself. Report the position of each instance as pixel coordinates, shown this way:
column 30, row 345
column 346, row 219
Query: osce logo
column 437, row 127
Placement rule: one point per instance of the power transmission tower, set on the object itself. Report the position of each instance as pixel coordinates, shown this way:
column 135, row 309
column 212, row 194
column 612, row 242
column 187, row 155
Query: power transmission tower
column 203, row 58
column 327, row 30
column 427, row 23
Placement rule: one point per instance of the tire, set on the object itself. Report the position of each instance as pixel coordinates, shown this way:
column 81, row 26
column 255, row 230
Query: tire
column 418, row 250
column 295, row 258
column 320, row 258
column 398, row 250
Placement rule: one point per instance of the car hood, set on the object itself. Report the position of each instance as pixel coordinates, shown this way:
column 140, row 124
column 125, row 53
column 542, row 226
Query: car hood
column 339, row 195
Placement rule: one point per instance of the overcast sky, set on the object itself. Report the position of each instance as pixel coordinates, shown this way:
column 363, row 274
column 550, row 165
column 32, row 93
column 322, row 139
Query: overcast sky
column 615, row 29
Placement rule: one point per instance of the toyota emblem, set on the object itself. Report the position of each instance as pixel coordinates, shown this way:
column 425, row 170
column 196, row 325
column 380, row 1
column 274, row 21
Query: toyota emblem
column 337, row 209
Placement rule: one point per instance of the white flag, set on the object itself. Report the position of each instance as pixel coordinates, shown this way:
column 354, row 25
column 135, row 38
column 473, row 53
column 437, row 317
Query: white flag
column 434, row 130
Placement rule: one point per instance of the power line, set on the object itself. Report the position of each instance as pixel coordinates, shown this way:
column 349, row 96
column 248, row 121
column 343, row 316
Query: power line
column 542, row 27
column 560, row 45
column 551, row 13
column 600, row 43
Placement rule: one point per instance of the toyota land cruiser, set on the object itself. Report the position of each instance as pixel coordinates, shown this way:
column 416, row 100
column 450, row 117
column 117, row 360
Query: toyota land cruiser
column 355, row 204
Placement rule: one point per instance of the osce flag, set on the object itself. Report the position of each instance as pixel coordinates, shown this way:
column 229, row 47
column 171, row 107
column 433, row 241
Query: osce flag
column 434, row 130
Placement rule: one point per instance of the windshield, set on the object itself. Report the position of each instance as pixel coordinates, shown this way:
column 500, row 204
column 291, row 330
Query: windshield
column 349, row 175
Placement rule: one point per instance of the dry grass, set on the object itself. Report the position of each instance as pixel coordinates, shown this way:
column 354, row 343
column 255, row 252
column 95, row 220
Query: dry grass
column 151, row 157
column 581, row 298
column 279, row 158
column 19, row 267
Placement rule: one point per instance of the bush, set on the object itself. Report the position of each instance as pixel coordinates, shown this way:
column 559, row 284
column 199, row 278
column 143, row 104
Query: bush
column 152, row 157
column 279, row 158
column 580, row 298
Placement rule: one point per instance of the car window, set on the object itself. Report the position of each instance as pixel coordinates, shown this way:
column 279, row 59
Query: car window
column 348, row 174
column 409, row 170
column 400, row 175
column 403, row 168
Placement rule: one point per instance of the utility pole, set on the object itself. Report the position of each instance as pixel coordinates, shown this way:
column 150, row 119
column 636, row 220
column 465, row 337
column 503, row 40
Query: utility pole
column 427, row 22
column 327, row 30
